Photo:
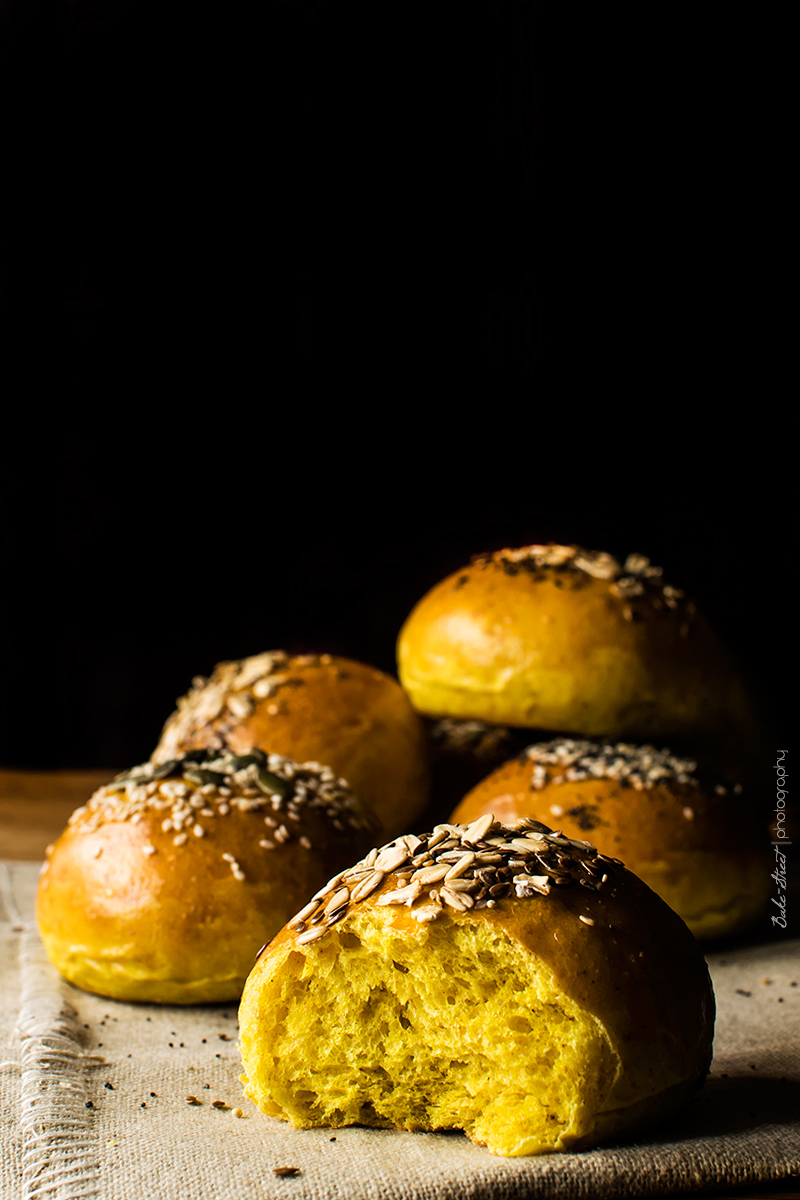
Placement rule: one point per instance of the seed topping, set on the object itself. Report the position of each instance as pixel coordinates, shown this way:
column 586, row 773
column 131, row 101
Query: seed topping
column 459, row 867
column 634, row 580
column 209, row 784
column 566, row 760
column 214, row 705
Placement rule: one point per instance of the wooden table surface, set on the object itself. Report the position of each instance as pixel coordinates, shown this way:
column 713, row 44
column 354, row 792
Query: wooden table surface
column 34, row 807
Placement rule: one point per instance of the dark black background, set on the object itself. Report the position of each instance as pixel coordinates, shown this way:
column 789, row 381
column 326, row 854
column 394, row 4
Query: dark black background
column 315, row 300
column 125, row 581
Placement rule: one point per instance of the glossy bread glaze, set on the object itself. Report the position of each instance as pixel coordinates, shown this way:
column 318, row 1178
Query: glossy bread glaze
column 164, row 889
column 559, row 638
column 696, row 840
column 349, row 716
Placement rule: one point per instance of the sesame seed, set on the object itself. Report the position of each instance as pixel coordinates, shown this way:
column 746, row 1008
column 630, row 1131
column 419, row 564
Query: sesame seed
column 638, row 766
column 186, row 788
column 586, row 920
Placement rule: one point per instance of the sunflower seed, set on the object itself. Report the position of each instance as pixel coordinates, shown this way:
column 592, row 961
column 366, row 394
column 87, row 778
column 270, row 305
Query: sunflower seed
column 406, row 895
column 339, row 897
column 311, row 935
column 306, row 912
column 391, row 857
column 367, row 886
column 430, row 874
column 464, row 863
column 463, row 885
column 241, row 705
column 478, row 830
column 439, row 835
column 461, row 901
column 528, row 845
column 429, row 912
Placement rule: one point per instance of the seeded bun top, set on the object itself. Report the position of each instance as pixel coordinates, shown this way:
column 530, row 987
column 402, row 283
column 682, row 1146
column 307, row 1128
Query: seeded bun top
column 690, row 833
column 349, row 716
column 167, row 881
column 459, row 867
column 551, row 891
column 561, row 638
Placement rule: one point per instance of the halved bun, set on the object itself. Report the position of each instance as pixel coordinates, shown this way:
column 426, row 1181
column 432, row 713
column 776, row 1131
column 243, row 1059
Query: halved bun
column 540, row 998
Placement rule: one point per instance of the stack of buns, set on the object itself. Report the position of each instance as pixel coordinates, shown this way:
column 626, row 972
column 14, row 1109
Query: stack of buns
column 497, row 976
column 270, row 776
column 573, row 644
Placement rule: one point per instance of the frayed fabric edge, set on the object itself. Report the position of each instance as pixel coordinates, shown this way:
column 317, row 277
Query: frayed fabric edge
column 60, row 1152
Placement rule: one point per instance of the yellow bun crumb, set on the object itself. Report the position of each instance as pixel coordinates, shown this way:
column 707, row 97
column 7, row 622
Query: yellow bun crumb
column 163, row 886
column 349, row 716
column 697, row 843
column 551, row 1017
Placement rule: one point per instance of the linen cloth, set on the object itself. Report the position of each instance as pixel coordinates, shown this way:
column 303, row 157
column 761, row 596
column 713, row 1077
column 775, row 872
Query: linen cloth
column 93, row 1095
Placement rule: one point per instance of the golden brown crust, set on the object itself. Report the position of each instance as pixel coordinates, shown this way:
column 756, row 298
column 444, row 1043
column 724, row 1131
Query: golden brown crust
column 319, row 708
column 133, row 904
column 698, row 844
column 562, row 639
column 615, row 949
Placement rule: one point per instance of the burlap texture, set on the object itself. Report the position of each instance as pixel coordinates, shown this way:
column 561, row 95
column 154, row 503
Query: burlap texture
column 135, row 1065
